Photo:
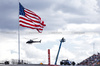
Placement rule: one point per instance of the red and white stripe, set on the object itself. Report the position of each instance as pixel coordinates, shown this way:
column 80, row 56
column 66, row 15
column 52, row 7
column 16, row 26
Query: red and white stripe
column 31, row 20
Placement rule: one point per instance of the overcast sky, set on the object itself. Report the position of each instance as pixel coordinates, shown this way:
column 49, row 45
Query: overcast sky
column 75, row 20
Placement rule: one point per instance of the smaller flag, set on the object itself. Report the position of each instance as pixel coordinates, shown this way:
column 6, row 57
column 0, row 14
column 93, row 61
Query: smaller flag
column 29, row 19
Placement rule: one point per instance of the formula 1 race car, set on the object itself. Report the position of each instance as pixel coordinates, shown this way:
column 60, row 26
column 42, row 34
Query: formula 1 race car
column 67, row 62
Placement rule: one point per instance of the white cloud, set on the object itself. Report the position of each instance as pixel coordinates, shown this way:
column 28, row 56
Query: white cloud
column 80, row 28
column 76, row 45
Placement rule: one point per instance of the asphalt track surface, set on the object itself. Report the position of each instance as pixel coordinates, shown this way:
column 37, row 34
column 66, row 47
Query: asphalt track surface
column 40, row 65
column 37, row 65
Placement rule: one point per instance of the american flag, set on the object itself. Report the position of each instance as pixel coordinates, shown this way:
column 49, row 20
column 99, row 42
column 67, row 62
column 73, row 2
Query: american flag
column 29, row 19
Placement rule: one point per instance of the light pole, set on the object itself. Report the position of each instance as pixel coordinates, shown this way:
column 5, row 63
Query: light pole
column 62, row 40
column 93, row 48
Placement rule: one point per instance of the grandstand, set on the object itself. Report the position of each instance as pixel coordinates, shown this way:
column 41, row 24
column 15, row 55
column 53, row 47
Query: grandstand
column 92, row 60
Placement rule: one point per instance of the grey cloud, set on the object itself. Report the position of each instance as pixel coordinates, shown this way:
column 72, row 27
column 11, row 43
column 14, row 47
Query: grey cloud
column 80, row 20
column 37, row 4
column 7, row 8
column 98, row 3
column 81, row 9
column 9, row 12
column 69, row 9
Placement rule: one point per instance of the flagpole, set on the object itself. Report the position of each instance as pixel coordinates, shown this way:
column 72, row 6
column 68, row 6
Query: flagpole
column 18, row 45
column 18, row 36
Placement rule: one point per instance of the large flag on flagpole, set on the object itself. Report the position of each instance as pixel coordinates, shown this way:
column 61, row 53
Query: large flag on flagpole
column 29, row 19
